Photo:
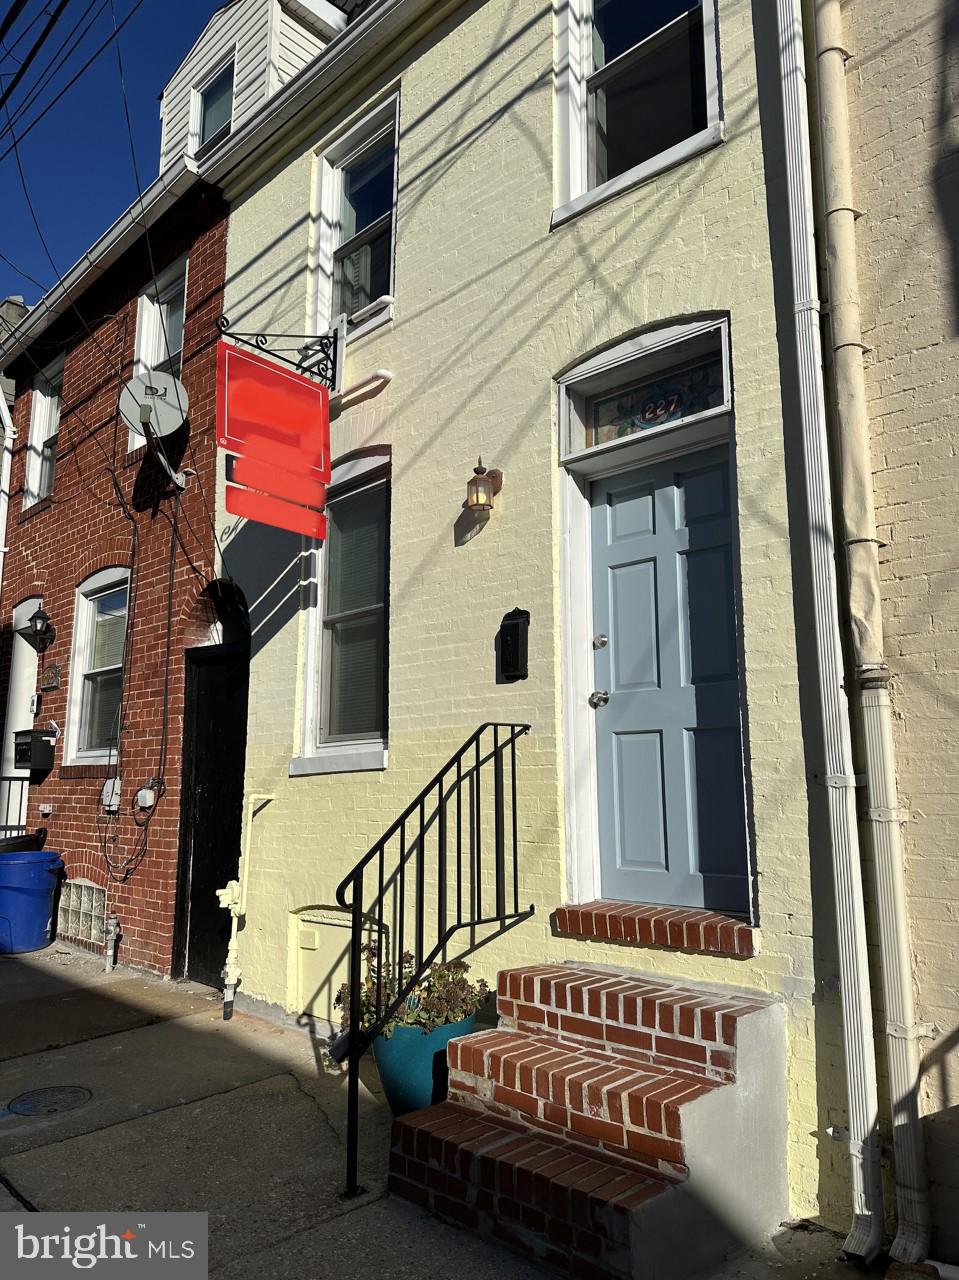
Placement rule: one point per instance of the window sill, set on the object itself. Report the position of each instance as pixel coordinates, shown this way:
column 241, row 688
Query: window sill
column 371, row 324
column 341, row 757
column 708, row 138
column 31, row 509
column 672, row 928
column 88, row 768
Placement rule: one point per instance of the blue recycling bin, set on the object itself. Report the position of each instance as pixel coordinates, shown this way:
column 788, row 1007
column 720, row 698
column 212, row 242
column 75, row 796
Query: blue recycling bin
column 28, row 888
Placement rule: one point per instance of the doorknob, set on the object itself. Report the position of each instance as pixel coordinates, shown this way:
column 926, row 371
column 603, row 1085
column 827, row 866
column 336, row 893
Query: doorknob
column 600, row 641
column 598, row 698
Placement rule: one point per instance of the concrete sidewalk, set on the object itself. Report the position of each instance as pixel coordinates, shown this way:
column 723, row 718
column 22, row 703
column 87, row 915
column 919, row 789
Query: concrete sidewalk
column 243, row 1120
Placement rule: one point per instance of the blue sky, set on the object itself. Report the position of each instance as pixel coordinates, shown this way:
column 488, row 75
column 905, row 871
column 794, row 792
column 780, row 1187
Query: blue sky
column 77, row 160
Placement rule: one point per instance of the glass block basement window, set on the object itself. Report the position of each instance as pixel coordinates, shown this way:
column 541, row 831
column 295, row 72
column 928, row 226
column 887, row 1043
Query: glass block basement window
column 82, row 911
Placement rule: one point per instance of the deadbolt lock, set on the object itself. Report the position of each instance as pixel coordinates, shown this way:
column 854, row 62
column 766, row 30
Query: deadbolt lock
column 598, row 698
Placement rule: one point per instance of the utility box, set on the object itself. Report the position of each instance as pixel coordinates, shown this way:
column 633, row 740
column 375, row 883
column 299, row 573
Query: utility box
column 33, row 750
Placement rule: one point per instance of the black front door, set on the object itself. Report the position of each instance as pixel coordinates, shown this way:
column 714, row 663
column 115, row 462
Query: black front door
column 211, row 806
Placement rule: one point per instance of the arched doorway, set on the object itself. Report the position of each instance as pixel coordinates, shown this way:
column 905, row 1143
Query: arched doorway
column 216, row 686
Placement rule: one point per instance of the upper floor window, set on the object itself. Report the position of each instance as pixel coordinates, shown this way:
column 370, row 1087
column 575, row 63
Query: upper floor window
column 44, row 430
column 96, row 672
column 357, row 223
column 216, row 106
column 160, row 322
column 638, row 92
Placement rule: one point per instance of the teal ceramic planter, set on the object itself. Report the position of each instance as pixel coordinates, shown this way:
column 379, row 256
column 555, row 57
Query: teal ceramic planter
column 412, row 1064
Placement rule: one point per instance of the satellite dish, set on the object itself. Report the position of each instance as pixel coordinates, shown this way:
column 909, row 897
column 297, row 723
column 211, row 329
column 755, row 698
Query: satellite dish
column 155, row 400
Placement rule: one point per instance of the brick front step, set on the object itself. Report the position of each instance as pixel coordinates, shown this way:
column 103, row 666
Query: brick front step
column 528, row 1190
column 593, row 1099
column 645, row 1018
column 675, row 928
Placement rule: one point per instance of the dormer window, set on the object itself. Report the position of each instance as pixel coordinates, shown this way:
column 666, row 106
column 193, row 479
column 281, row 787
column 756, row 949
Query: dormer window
column 216, row 107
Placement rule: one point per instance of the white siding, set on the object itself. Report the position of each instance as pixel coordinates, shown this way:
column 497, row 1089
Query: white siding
column 244, row 24
column 295, row 47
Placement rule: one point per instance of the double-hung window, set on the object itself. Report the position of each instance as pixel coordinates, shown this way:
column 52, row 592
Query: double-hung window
column 347, row 723
column 160, row 326
column 356, row 225
column 354, row 616
column 97, row 668
column 44, row 429
column 214, row 107
column 638, row 91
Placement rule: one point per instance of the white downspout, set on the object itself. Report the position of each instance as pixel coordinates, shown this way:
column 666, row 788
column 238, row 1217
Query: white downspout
column 865, row 1236
column 865, row 619
column 6, row 465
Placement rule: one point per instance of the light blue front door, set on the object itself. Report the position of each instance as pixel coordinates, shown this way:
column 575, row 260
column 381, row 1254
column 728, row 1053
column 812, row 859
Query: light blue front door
column 668, row 741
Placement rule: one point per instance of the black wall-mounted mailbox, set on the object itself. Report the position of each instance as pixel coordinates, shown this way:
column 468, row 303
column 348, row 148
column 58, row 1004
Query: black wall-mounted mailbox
column 513, row 646
column 33, row 750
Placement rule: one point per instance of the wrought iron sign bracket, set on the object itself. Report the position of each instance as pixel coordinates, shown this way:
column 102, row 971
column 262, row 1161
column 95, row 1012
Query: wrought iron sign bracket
column 318, row 356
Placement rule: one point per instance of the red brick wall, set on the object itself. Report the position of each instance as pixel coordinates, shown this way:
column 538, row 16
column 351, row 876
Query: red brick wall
column 60, row 541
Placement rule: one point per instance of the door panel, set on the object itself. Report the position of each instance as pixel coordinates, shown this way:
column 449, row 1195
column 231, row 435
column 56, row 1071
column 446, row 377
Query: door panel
column 668, row 743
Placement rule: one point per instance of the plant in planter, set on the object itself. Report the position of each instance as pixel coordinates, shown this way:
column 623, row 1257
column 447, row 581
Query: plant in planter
column 410, row 1050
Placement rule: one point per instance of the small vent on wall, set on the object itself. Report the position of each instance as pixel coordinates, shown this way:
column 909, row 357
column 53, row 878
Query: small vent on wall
column 83, row 907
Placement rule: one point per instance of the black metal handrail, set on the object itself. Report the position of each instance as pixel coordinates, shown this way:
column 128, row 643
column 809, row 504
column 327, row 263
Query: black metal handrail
column 13, row 805
column 425, row 881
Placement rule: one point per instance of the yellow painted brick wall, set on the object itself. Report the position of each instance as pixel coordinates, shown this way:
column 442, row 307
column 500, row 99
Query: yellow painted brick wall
column 904, row 94
column 490, row 306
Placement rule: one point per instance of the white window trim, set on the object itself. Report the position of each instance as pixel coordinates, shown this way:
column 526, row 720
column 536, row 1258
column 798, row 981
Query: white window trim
column 317, row 757
column 619, row 364
column 150, row 330
column 571, row 71
column 40, row 410
column 196, row 104
column 103, row 580
column 332, row 158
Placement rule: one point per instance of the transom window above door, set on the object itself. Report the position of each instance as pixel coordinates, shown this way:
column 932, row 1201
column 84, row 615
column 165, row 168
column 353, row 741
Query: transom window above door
column 655, row 385
column 638, row 91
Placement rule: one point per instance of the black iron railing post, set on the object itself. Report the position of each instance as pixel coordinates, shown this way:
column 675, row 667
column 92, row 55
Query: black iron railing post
column 353, row 1187
column 441, row 861
column 498, row 826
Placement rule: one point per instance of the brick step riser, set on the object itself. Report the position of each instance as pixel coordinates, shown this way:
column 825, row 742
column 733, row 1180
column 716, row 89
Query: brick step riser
column 559, row 1206
column 685, row 1030
column 640, row 1150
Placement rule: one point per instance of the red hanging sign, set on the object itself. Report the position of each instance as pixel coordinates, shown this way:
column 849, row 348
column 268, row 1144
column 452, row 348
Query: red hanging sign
column 275, row 423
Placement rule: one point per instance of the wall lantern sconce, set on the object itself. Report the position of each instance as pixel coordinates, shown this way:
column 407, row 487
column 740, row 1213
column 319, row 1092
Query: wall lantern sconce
column 39, row 632
column 483, row 487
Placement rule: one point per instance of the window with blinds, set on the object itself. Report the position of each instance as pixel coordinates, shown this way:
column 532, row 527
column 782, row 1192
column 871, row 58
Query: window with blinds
column 356, row 593
column 103, row 669
column 363, row 258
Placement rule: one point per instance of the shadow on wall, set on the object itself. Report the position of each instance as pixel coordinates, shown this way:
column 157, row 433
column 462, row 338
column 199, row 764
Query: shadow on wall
column 946, row 168
column 268, row 564
column 941, row 1131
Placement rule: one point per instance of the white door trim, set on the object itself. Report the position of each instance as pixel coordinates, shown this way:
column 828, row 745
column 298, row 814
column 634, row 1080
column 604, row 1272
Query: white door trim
column 576, row 666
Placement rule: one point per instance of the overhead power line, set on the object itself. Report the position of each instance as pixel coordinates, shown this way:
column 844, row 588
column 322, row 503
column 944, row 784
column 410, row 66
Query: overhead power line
column 11, row 16
column 19, row 137
column 34, row 50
